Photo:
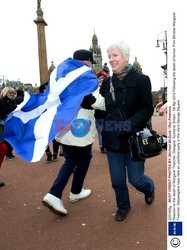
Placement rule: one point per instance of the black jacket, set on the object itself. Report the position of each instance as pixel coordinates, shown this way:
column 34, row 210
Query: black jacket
column 134, row 96
column 6, row 107
column 100, row 114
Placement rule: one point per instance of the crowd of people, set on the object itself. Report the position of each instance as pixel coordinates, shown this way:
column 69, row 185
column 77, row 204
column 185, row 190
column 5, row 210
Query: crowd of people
column 133, row 94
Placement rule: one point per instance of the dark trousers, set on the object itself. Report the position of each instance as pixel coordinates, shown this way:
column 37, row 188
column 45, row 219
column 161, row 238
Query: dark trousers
column 78, row 157
column 10, row 149
column 55, row 147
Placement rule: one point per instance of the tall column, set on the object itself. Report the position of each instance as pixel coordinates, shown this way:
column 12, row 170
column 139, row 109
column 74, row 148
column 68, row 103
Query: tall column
column 42, row 51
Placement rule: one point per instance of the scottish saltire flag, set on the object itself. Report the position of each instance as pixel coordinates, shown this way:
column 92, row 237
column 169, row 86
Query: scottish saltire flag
column 31, row 127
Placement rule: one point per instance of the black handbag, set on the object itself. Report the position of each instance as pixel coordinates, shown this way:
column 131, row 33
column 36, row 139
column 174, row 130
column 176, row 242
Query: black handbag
column 143, row 144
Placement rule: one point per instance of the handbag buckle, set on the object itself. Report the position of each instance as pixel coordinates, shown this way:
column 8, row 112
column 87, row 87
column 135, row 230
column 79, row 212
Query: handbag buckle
column 159, row 140
column 145, row 141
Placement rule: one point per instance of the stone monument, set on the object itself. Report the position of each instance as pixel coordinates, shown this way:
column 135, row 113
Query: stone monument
column 42, row 51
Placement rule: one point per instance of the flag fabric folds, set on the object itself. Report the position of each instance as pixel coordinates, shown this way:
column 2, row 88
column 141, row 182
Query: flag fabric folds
column 31, row 127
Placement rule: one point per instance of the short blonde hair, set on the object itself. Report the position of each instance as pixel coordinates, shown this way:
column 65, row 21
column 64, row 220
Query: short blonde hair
column 6, row 90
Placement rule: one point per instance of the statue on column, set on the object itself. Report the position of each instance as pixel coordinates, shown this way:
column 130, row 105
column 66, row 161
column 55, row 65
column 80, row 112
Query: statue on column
column 39, row 4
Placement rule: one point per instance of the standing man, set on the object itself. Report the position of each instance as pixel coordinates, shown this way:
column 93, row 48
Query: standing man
column 163, row 107
column 77, row 148
column 165, row 68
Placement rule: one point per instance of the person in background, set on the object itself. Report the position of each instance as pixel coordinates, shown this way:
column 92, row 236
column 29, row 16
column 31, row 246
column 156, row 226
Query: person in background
column 7, row 105
column 50, row 157
column 100, row 114
column 163, row 107
column 106, row 69
column 133, row 96
column 165, row 70
column 19, row 96
column 77, row 147
column 3, row 152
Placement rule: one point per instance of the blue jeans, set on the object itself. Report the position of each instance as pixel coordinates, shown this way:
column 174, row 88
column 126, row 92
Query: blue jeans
column 99, row 128
column 121, row 164
column 78, row 157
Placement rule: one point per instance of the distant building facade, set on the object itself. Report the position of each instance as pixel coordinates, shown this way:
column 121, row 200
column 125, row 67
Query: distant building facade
column 137, row 65
column 97, row 54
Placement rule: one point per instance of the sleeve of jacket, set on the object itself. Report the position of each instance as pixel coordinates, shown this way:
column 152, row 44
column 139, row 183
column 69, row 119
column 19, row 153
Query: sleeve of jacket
column 145, row 109
column 9, row 109
column 2, row 115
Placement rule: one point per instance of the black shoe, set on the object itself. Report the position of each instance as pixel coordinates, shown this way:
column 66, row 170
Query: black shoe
column 149, row 199
column 2, row 184
column 10, row 157
column 49, row 157
column 55, row 157
column 121, row 216
column 102, row 150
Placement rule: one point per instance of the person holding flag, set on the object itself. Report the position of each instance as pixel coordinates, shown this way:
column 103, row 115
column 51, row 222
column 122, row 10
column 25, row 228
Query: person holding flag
column 77, row 138
column 33, row 125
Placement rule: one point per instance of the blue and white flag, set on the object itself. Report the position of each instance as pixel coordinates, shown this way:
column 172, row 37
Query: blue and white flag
column 31, row 126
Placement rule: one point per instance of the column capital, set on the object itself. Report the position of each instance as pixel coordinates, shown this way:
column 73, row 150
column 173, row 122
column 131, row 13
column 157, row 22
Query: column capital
column 40, row 18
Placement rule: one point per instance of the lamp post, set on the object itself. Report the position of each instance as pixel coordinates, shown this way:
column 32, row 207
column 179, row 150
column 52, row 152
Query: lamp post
column 2, row 78
column 163, row 41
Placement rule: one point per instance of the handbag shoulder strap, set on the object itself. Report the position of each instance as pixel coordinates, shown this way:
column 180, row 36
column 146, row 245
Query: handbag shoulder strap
column 115, row 100
column 120, row 110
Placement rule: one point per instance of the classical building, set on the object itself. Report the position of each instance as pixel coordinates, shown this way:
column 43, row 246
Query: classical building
column 97, row 54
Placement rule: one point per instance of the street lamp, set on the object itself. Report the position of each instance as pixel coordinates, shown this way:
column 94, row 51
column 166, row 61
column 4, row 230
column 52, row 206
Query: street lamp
column 3, row 79
column 163, row 41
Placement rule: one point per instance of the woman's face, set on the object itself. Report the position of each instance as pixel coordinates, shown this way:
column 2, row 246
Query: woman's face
column 117, row 59
column 11, row 94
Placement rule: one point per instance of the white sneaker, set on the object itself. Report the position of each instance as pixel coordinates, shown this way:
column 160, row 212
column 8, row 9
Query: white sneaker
column 54, row 204
column 82, row 195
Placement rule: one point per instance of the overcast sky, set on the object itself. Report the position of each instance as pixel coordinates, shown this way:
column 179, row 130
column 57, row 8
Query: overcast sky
column 71, row 25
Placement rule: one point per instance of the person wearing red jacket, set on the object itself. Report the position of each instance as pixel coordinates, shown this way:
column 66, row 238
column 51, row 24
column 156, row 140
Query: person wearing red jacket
column 7, row 105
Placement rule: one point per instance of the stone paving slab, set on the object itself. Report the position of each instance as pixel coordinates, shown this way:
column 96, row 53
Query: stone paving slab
column 26, row 224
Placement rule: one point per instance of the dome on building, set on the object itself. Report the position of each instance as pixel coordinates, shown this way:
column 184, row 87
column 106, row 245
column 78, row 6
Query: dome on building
column 137, row 65
column 94, row 38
